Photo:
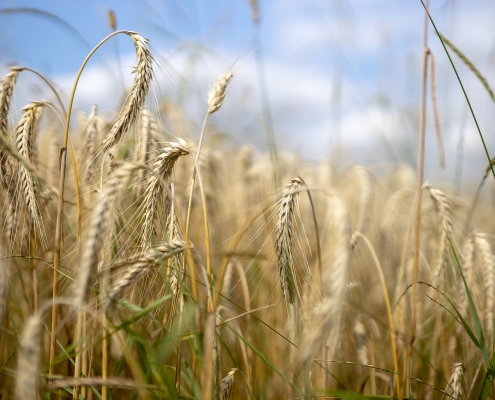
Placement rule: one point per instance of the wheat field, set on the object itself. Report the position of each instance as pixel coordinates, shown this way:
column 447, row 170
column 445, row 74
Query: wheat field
column 140, row 262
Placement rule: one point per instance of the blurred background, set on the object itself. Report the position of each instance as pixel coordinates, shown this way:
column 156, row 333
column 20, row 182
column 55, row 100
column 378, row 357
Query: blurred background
column 335, row 79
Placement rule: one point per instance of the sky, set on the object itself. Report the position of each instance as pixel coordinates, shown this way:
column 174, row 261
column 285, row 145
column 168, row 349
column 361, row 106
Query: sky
column 339, row 79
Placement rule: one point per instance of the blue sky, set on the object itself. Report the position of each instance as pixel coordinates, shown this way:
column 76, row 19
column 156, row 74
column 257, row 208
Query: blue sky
column 340, row 74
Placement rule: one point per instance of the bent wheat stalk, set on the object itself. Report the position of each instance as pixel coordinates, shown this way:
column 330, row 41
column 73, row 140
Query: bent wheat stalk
column 58, row 224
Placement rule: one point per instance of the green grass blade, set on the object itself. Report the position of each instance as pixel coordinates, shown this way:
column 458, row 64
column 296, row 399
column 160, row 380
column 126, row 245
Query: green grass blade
column 487, row 385
column 463, row 90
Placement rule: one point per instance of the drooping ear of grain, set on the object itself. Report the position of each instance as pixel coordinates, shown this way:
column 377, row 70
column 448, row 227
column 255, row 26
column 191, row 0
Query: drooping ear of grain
column 454, row 386
column 137, row 95
column 324, row 324
column 91, row 133
column 283, row 241
column 444, row 213
column 228, row 385
column 100, row 222
column 140, row 266
column 26, row 144
column 7, row 84
column 162, row 169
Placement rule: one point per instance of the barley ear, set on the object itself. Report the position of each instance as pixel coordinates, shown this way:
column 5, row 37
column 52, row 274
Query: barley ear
column 99, row 225
column 217, row 94
column 137, row 95
column 283, row 240
column 228, row 385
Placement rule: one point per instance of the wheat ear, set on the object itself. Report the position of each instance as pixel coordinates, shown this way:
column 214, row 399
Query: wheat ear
column 454, row 386
column 217, row 94
column 444, row 213
column 91, row 134
column 162, row 170
column 142, row 264
column 487, row 259
column 7, row 84
column 228, row 385
column 100, row 222
column 27, row 144
column 146, row 124
column 139, row 90
column 283, row 240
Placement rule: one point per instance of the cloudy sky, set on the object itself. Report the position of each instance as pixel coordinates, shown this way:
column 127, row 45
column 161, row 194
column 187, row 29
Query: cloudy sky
column 339, row 78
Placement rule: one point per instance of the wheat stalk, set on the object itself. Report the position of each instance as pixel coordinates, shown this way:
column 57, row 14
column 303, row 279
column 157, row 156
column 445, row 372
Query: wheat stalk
column 365, row 200
column 139, row 90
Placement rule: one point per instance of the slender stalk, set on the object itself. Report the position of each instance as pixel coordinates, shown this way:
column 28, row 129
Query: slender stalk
column 34, row 271
column 58, row 225
column 387, row 304
column 419, row 191
column 49, row 85
column 189, row 206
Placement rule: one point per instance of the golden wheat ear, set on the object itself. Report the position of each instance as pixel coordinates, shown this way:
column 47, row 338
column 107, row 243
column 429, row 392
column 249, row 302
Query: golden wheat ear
column 142, row 264
column 283, row 240
column 101, row 219
column 26, row 143
column 137, row 95
column 162, row 170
